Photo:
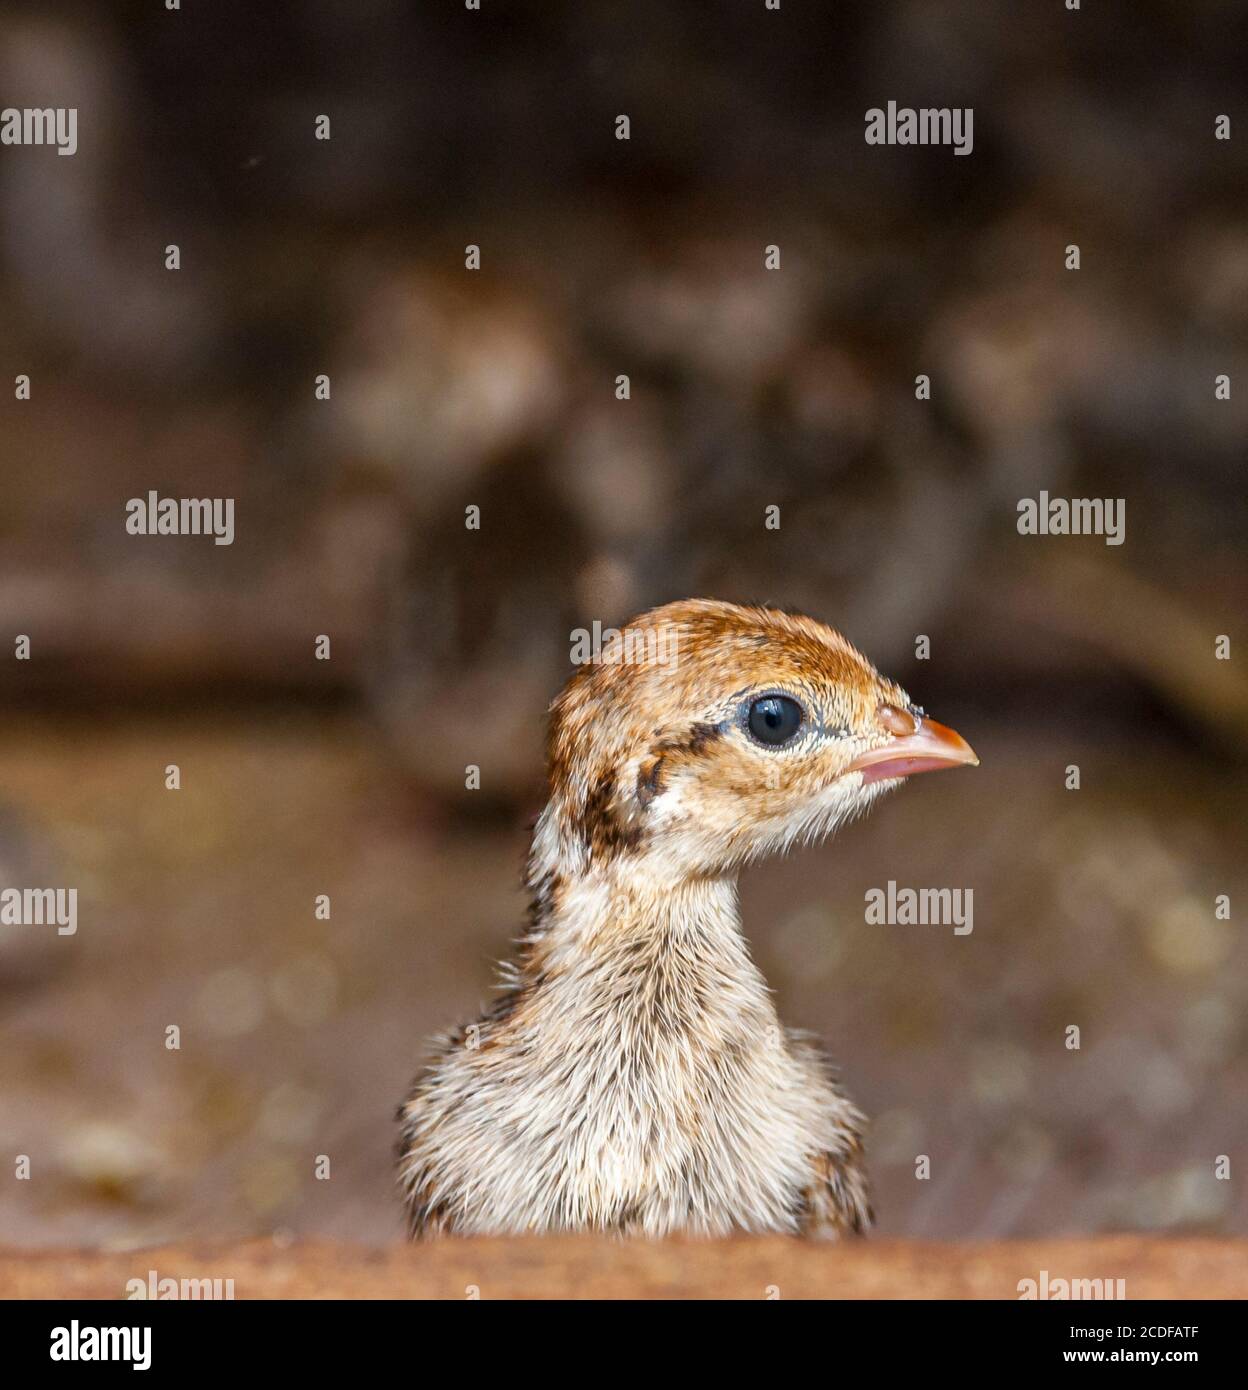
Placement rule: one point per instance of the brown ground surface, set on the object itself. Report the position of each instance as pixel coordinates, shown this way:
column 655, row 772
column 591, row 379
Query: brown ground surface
column 299, row 1036
column 574, row 1267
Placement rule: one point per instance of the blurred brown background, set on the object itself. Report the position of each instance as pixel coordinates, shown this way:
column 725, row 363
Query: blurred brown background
column 497, row 389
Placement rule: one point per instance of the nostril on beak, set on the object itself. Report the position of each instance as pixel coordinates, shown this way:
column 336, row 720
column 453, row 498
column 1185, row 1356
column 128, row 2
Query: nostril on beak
column 897, row 721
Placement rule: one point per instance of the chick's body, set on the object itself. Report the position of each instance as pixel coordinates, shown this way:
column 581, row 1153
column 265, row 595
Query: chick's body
column 633, row 1076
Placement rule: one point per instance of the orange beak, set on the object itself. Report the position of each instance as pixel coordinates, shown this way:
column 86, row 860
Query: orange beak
column 917, row 745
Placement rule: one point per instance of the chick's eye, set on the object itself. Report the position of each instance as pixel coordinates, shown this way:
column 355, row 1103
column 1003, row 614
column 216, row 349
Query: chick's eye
column 774, row 719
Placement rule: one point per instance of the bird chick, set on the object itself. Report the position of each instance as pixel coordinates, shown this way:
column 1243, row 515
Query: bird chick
column 633, row 1076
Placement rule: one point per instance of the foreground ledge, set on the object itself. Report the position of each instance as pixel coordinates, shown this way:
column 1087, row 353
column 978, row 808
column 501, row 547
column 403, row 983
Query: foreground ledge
column 589, row 1267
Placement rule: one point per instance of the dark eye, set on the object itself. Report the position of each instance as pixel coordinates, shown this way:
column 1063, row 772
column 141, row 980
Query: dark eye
column 774, row 719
